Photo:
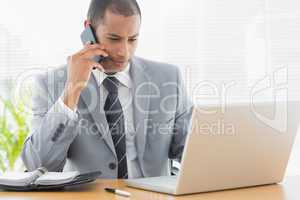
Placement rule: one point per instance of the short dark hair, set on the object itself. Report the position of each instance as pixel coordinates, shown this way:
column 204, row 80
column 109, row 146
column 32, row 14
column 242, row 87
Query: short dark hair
column 97, row 9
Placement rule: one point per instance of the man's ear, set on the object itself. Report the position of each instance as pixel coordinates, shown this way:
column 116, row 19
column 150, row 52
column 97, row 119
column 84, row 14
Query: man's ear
column 86, row 23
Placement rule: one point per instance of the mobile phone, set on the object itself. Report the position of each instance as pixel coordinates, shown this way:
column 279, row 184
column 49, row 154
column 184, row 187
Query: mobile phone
column 88, row 35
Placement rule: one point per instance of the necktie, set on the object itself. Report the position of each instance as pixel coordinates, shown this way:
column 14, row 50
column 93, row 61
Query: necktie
column 115, row 119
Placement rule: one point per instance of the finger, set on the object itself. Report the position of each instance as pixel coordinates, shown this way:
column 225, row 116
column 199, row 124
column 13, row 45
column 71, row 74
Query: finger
column 70, row 58
column 90, row 45
column 94, row 64
column 94, row 52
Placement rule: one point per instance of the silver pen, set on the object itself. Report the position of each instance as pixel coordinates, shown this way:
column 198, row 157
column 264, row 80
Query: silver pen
column 118, row 192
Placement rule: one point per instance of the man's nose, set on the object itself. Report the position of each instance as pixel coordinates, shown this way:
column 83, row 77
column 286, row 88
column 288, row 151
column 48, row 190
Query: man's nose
column 123, row 50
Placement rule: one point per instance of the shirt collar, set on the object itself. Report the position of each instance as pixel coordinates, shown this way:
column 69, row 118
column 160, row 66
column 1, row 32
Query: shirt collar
column 122, row 76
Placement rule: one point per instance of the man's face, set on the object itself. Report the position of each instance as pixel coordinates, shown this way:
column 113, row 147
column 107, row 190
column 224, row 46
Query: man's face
column 119, row 36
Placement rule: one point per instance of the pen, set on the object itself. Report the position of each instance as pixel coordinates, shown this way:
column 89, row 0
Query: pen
column 119, row 192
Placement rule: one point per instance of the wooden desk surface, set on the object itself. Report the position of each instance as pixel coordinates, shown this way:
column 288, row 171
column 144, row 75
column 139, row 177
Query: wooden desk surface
column 289, row 189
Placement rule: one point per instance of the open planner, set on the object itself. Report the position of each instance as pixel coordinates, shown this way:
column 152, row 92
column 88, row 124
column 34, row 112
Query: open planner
column 41, row 179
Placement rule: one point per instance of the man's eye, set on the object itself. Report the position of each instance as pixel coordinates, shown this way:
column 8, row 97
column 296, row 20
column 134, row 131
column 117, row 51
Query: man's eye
column 114, row 39
column 132, row 40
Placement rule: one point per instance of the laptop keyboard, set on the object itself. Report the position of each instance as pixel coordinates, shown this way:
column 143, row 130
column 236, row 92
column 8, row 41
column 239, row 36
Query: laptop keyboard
column 163, row 181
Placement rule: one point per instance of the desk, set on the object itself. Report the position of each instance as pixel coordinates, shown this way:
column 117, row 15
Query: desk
column 288, row 190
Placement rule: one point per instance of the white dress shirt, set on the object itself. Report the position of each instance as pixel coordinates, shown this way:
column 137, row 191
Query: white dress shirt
column 125, row 95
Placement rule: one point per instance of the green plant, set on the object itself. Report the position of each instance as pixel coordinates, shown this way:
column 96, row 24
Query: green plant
column 13, row 131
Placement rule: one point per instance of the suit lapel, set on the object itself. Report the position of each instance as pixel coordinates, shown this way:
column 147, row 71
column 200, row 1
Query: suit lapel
column 141, row 93
column 91, row 98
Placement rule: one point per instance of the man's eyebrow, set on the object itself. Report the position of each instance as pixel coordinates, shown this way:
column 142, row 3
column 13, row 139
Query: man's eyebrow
column 115, row 35
column 134, row 35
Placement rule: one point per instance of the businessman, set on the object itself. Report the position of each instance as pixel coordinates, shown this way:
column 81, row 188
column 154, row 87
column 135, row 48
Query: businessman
column 126, row 116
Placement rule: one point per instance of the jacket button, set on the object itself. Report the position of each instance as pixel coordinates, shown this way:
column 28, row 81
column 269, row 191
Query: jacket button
column 54, row 139
column 62, row 126
column 112, row 166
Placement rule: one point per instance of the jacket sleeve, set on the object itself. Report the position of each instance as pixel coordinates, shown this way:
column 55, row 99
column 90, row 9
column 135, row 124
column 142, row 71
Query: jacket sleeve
column 182, row 120
column 53, row 128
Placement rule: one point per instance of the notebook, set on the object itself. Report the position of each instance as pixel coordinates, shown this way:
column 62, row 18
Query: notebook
column 41, row 179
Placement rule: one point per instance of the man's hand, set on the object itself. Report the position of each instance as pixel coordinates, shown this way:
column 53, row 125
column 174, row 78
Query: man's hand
column 80, row 66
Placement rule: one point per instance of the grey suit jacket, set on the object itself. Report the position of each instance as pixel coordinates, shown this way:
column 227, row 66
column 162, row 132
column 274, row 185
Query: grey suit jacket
column 162, row 113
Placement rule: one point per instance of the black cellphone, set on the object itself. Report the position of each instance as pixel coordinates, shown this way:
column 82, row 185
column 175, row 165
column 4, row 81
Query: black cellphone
column 88, row 35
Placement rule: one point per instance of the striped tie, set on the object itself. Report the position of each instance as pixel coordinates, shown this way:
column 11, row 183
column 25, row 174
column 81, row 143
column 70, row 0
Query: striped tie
column 115, row 119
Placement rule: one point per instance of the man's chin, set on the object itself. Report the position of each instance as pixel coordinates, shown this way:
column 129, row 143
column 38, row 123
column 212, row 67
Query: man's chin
column 109, row 69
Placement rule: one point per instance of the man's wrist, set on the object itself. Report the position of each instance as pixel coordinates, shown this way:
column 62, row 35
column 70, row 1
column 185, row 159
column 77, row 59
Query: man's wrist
column 71, row 97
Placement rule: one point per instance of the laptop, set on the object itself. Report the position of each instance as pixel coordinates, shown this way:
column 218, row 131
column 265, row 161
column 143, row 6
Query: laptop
column 238, row 146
